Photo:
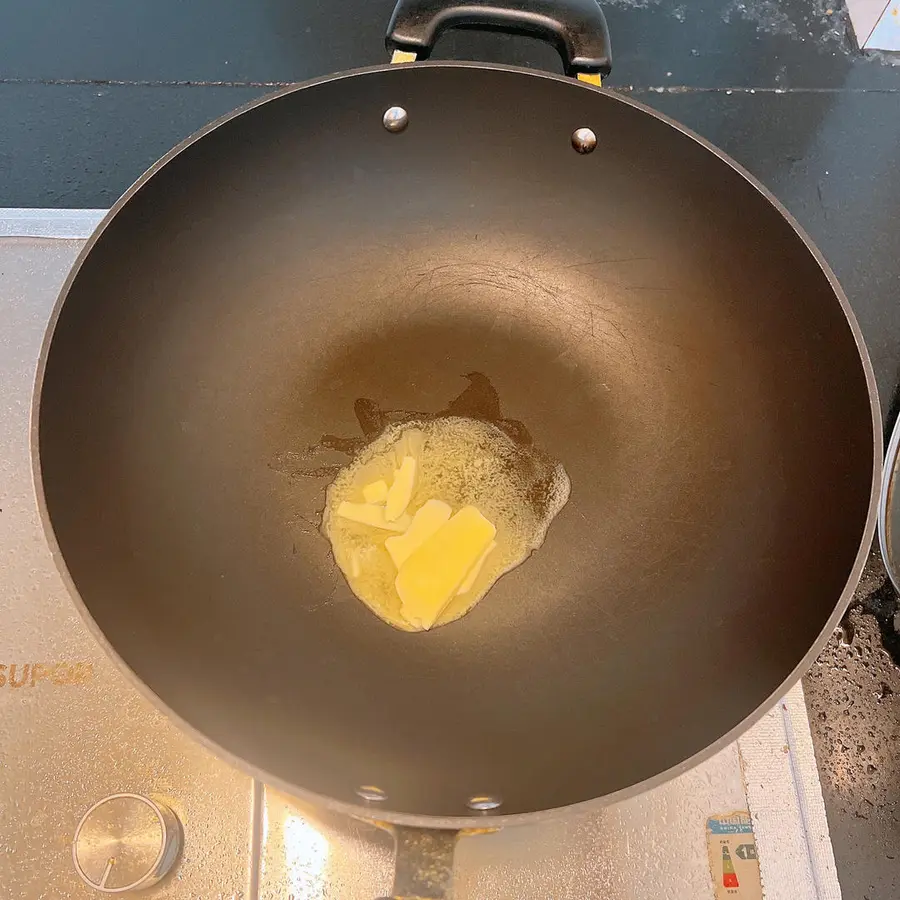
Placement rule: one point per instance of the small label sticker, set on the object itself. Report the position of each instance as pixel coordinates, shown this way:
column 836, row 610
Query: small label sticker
column 732, row 856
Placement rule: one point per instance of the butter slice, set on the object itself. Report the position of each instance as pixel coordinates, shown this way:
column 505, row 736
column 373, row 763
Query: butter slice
column 469, row 581
column 400, row 492
column 369, row 514
column 376, row 492
column 411, row 443
column 432, row 575
column 431, row 516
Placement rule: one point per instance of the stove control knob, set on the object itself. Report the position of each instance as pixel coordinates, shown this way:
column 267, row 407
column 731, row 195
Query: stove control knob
column 125, row 842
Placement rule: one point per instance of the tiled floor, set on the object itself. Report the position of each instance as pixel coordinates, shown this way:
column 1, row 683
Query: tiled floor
column 92, row 92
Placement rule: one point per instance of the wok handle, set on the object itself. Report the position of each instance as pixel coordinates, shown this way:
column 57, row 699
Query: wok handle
column 423, row 866
column 577, row 28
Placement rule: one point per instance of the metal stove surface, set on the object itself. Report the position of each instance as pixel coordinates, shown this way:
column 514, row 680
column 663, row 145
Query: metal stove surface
column 74, row 732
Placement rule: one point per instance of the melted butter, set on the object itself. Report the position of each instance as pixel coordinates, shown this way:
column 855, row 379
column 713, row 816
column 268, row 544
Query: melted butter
column 461, row 462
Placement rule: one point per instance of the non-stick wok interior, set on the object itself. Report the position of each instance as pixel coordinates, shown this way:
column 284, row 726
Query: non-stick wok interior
column 644, row 311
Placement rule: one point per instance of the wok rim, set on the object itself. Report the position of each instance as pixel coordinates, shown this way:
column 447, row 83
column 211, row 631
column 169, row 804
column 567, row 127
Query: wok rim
column 460, row 823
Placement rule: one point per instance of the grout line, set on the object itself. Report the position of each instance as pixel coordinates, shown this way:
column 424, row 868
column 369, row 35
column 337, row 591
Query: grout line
column 800, row 793
column 53, row 224
column 687, row 89
column 114, row 82
column 622, row 89
column 257, row 836
column 784, row 796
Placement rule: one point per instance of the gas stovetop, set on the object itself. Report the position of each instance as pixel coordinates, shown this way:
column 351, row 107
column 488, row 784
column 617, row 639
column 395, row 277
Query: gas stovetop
column 99, row 793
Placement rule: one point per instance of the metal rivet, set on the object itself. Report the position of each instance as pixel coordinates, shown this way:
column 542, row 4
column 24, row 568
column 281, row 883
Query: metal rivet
column 395, row 119
column 483, row 803
column 371, row 793
column 584, row 140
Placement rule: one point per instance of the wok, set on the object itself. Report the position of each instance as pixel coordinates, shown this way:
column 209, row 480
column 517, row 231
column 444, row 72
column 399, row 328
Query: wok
column 431, row 237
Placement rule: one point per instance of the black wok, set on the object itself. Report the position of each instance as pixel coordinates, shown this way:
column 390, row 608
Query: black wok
column 296, row 274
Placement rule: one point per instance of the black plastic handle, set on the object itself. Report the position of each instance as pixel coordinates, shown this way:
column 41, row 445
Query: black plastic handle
column 577, row 28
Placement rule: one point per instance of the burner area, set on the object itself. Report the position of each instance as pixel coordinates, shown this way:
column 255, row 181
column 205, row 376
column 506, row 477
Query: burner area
column 101, row 794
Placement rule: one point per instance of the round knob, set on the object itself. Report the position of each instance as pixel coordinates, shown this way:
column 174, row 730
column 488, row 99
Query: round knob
column 125, row 842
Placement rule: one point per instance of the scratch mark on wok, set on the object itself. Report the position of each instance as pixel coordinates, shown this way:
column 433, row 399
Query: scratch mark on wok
column 609, row 262
column 645, row 287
